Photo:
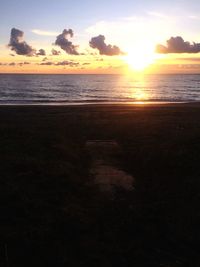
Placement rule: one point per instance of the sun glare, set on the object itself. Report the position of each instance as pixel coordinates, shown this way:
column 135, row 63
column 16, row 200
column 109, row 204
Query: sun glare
column 139, row 58
column 139, row 61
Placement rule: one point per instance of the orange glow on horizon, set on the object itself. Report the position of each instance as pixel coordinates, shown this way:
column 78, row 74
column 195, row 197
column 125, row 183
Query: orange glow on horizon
column 137, row 60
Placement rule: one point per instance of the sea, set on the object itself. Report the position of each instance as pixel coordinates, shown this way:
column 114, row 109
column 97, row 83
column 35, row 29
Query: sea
column 34, row 89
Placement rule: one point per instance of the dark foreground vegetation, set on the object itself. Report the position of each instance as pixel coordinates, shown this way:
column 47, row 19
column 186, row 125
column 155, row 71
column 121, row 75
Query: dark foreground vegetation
column 51, row 214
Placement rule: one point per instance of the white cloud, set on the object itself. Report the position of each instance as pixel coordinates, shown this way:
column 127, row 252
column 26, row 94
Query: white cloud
column 157, row 14
column 44, row 33
column 194, row 17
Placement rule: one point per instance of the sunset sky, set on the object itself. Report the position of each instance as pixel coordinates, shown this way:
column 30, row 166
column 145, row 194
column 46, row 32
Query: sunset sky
column 107, row 36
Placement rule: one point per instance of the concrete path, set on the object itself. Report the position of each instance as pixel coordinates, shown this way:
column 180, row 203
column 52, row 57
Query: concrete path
column 105, row 168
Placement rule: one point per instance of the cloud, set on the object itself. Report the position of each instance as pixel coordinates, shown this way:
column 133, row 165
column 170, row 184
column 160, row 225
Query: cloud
column 189, row 59
column 55, row 52
column 67, row 63
column 157, row 14
column 24, row 63
column 61, row 63
column 16, row 64
column 41, row 52
column 48, row 63
column 44, row 33
column 194, row 17
column 18, row 45
column 178, row 45
column 98, row 42
column 63, row 42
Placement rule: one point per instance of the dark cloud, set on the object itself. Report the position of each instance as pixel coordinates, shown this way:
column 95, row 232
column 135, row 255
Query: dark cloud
column 63, row 42
column 41, row 52
column 67, row 63
column 61, row 63
column 26, row 63
column 98, row 42
column 55, row 52
column 18, row 64
column 18, row 45
column 86, row 63
column 178, row 45
column 48, row 63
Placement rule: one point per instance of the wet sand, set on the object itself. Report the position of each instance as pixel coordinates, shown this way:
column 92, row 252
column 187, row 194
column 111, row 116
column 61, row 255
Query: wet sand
column 54, row 211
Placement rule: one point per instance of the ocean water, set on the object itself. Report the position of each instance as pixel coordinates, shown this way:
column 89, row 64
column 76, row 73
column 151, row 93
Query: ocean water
column 67, row 89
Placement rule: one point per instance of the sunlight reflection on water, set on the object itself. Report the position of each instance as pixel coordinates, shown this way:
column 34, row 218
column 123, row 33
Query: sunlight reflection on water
column 66, row 89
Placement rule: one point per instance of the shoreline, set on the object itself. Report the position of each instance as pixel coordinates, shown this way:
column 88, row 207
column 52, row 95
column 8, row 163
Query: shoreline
column 108, row 103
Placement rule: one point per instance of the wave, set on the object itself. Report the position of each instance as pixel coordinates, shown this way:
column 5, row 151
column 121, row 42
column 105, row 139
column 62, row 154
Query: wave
column 29, row 89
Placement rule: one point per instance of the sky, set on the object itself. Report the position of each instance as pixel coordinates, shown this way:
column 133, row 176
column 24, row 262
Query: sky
column 107, row 36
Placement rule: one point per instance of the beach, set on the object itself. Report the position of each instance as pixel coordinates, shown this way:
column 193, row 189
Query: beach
column 54, row 214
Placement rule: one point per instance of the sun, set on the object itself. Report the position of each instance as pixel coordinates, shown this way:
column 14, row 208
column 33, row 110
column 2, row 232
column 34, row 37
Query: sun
column 139, row 61
column 139, row 58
